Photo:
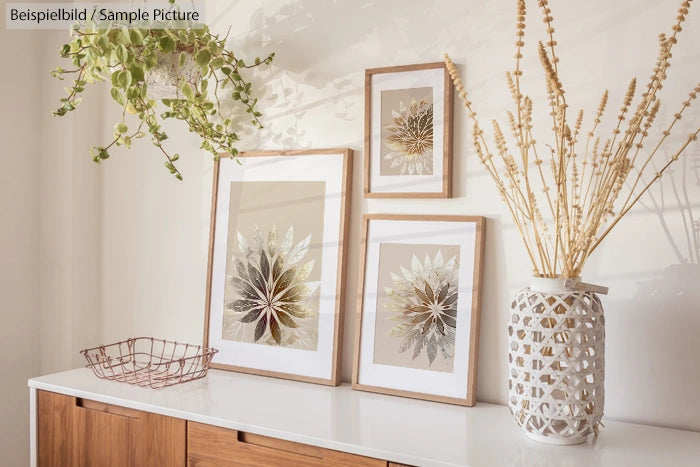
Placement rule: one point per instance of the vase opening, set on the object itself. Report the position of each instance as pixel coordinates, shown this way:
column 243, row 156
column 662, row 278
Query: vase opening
column 548, row 284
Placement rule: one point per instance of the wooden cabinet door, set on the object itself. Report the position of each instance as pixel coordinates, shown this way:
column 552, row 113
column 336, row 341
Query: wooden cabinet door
column 210, row 446
column 83, row 433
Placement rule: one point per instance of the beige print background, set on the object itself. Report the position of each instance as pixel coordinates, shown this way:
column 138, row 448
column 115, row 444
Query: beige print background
column 391, row 100
column 283, row 203
column 386, row 348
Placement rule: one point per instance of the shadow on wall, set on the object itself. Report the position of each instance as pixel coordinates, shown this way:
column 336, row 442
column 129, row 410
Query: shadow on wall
column 322, row 50
column 684, row 205
column 299, row 82
column 661, row 360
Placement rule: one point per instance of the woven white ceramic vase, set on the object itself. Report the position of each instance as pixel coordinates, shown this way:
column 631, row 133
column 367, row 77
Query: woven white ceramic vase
column 556, row 362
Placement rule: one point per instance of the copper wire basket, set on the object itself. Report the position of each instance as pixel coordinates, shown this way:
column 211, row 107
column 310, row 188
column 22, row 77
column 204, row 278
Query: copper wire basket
column 149, row 362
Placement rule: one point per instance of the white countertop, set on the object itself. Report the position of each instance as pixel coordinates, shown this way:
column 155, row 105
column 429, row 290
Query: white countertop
column 393, row 428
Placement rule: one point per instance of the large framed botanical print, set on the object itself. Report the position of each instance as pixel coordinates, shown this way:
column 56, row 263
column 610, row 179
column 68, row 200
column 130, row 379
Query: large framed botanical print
column 275, row 285
column 408, row 132
column 418, row 311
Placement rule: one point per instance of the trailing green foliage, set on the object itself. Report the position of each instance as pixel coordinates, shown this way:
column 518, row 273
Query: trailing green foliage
column 123, row 57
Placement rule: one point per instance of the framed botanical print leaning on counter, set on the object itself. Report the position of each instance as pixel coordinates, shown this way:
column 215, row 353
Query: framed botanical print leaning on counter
column 408, row 132
column 275, row 284
column 418, row 311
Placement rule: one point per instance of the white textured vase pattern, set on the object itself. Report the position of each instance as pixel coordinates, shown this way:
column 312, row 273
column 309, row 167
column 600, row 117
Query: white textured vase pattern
column 556, row 362
column 164, row 78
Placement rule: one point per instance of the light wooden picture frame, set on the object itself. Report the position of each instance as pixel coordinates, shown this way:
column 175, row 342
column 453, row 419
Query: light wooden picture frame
column 277, row 255
column 417, row 331
column 408, row 132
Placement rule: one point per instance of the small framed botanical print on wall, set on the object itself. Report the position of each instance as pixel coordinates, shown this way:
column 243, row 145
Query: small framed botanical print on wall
column 275, row 286
column 408, row 132
column 418, row 310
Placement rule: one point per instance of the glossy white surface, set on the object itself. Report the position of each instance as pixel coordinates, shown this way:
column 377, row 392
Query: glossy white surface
column 393, row 428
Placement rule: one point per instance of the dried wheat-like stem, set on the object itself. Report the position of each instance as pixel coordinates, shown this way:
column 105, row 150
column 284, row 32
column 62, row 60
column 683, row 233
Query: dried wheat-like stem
column 585, row 191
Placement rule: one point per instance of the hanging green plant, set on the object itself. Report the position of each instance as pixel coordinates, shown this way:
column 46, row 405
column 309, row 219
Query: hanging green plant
column 202, row 73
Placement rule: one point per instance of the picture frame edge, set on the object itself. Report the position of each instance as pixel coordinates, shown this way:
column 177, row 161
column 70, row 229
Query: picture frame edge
column 414, row 395
column 475, row 325
column 346, row 188
column 362, row 268
column 210, row 251
column 448, row 131
column 448, row 125
column 470, row 395
column 272, row 374
column 342, row 271
column 368, row 130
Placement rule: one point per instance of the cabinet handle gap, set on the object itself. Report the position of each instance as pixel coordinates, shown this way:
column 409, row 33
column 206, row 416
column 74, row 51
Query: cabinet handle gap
column 279, row 445
column 96, row 406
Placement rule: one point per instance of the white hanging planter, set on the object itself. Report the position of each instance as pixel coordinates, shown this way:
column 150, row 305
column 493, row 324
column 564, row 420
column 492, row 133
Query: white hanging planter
column 163, row 79
column 556, row 362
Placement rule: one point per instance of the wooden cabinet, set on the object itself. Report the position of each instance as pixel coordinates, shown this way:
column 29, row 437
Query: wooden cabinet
column 78, row 432
column 210, row 446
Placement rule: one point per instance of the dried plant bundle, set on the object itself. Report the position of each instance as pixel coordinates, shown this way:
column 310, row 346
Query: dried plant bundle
column 566, row 199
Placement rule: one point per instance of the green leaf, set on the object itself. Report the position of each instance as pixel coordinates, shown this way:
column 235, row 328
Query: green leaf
column 125, row 37
column 121, row 128
column 183, row 57
column 136, row 36
column 115, row 78
column 103, row 154
column 187, row 91
column 117, row 96
column 217, row 63
column 166, row 44
column 150, row 60
column 104, row 44
column 124, row 78
column 65, row 50
column 137, row 71
column 122, row 53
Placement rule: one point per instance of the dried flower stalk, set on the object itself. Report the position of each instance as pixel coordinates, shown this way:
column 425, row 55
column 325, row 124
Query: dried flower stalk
column 585, row 183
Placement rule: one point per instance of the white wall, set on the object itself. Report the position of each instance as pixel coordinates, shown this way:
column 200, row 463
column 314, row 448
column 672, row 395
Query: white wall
column 151, row 237
column 49, row 206
column 19, row 241
column 68, row 182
